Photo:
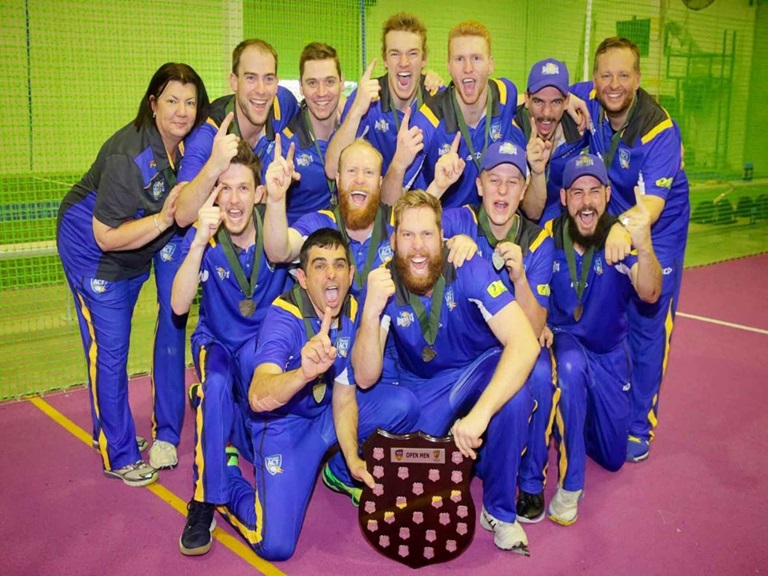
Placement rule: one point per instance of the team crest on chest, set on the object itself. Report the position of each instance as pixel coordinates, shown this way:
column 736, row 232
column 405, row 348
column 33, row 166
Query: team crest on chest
column 223, row 274
column 449, row 300
column 599, row 266
column 274, row 464
column 405, row 319
column 342, row 346
column 304, row 160
column 495, row 131
column 444, row 149
column 381, row 125
column 624, row 158
column 158, row 189
column 385, row 253
column 555, row 266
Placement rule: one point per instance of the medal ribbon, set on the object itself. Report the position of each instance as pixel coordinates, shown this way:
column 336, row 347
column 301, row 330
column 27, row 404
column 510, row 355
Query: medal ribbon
column 233, row 127
column 570, row 257
column 419, row 102
column 429, row 324
column 511, row 236
column 331, row 183
column 463, row 124
column 222, row 237
column 373, row 246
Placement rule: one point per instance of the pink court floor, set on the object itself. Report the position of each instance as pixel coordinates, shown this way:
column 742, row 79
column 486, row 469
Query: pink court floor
column 697, row 506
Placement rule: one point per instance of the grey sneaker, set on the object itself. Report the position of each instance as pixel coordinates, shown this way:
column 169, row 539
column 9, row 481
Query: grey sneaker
column 564, row 507
column 136, row 474
column 506, row 535
column 140, row 441
column 163, row 455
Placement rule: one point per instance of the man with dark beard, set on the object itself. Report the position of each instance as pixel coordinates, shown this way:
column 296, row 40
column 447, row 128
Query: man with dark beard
column 465, row 348
column 588, row 315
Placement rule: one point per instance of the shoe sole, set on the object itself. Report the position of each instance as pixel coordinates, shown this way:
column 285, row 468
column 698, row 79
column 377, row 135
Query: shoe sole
column 526, row 520
column 561, row 521
column 168, row 467
column 199, row 551
column 132, row 483
column 637, row 459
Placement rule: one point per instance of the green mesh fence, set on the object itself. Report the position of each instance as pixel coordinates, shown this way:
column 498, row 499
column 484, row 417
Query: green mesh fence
column 73, row 72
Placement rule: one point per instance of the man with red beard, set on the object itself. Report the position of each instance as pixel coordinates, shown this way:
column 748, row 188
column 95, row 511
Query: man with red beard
column 304, row 399
column 588, row 315
column 553, row 136
column 257, row 110
column 224, row 252
column 521, row 254
column 465, row 348
column 378, row 107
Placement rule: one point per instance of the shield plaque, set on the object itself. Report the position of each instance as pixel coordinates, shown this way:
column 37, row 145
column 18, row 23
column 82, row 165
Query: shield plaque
column 420, row 511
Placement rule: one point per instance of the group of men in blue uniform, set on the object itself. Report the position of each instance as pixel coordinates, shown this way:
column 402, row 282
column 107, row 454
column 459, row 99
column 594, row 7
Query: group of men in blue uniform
column 461, row 268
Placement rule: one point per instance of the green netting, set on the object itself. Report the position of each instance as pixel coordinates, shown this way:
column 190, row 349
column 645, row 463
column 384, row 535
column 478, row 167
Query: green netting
column 74, row 71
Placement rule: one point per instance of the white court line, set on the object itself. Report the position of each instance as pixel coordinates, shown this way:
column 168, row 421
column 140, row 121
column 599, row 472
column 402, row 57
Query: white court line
column 723, row 323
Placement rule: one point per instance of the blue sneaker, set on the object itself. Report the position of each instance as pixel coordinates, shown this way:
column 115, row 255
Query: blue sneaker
column 637, row 449
column 333, row 483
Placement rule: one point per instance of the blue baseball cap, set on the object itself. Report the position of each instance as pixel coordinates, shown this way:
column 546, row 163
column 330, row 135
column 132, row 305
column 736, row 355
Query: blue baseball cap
column 584, row 165
column 504, row 152
column 549, row 72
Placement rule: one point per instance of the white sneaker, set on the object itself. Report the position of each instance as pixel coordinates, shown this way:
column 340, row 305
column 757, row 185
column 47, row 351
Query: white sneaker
column 136, row 474
column 564, row 507
column 506, row 535
column 162, row 455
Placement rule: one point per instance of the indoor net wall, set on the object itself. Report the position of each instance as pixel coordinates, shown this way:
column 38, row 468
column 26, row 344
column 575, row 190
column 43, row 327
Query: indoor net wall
column 74, row 72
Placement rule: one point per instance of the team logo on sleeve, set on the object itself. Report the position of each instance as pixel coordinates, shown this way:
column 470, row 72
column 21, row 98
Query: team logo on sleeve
column 274, row 464
column 543, row 289
column 381, row 125
column 304, row 160
column 495, row 288
column 342, row 346
column 624, row 158
column 664, row 183
column 99, row 286
column 166, row 254
column 405, row 319
column 449, row 300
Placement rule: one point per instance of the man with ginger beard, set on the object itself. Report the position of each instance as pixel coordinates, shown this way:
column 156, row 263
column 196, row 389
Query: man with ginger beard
column 465, row 348
column 588, row 313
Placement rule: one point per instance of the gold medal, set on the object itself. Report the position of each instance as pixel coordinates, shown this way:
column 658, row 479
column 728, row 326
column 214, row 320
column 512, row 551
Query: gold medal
column 247, row 307
column 578, row 311
column 428, row 353
column 318, row 391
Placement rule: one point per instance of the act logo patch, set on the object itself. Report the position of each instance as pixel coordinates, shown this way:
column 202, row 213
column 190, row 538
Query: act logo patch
column 342, row 346
column 599, row 266
column 385, row 253
column 304, row 160
column 274, row 464
column 496, row 131
column 405, row 319
column 624, row 159
column 166, row 254
column 495, row 288
column 449, row 300
column 223, row 274
column 99, row 286
column 381, row 125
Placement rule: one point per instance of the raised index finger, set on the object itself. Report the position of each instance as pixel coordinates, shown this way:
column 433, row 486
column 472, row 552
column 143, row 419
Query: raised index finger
column 278, row 146
column 369, row 71
column 225, row 124
column 534, row 131
column 325, row 327
column 455, row 143
column 406, row 120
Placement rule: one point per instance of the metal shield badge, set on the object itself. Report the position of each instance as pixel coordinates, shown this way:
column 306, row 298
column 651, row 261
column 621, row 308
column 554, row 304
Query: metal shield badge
column 420, row 511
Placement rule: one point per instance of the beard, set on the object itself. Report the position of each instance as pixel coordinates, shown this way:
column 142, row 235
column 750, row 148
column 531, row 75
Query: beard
column 358, row 218
column 596, row 238
column 416, row 283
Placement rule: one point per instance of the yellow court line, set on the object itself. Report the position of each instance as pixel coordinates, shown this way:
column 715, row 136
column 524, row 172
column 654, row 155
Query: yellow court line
column 723, row 323
column 228, row 541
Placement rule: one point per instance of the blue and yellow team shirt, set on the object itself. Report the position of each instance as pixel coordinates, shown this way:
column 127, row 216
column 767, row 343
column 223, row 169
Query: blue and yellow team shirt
column 287, row 335
column 603, row 324
column 200, row 141
column 536, row 245
column 438, row 122
column 473, row 294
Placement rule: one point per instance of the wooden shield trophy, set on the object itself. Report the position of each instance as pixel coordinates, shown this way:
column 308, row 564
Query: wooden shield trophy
column 420, row 511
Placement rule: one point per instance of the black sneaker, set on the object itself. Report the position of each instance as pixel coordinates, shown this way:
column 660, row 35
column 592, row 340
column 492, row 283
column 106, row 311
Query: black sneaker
column 192, row 396
column 196, row 539
column 530, row 507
